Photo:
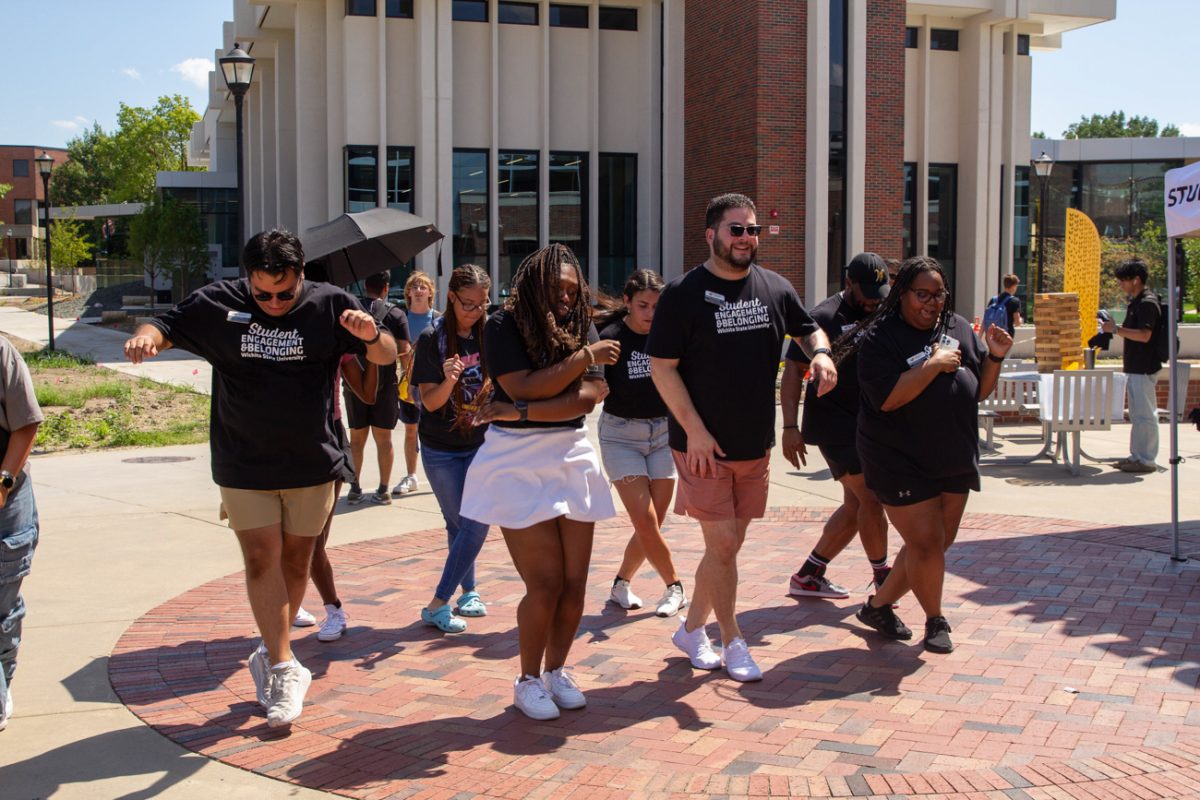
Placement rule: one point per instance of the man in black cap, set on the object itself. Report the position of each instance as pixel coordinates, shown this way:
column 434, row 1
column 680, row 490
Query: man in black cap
column 830, row 422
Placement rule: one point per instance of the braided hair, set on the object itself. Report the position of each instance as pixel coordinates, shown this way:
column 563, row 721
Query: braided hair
column 534, row 295
column 847, row 344
column 610, row 309
column 465, row 276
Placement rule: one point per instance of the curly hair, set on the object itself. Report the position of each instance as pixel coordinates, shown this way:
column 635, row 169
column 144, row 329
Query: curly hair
column 610, row 309
column 534, row 295
column 847, row 344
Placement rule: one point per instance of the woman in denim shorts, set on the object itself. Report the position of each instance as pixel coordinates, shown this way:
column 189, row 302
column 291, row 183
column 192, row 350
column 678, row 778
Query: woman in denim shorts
column 633, row 443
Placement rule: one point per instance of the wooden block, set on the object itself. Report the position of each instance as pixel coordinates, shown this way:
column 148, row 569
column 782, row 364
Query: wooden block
column 113, row 316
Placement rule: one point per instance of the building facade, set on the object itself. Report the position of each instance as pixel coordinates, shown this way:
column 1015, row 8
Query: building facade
column 21, row 210
column 885, row 125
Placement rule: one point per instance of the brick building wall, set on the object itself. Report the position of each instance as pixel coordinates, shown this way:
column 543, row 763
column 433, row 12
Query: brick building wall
column 23, row 188
column 884, row 202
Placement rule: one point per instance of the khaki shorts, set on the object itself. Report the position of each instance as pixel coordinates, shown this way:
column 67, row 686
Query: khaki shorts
column 739, row 491
column 302, row 512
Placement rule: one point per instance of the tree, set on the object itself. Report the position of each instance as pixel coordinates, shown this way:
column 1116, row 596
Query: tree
column 1115, row 126
column 87, row 175
column 69, row 244
column 1038, row 135
column 5, row 188
column 170, row 240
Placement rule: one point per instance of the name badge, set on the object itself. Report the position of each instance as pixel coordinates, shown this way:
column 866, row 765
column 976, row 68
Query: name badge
column 238, row 316
column 913, row 360
column 716, row 298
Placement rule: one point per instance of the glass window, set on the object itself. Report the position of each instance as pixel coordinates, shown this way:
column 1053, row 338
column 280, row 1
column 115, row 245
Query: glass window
column 943, row 39
column 20, row 168
column 910, row 37
column 943, row 217
column 568, row 203
column 517, row 193
column 517, row 13
column 1022, row 44
column 360, row 8
column 617, row 237
column 402, row 9
column 400, row 178
column 470, row 11
column 618, row 19
column 565, row 16
column 1021, row 210
column 838, row 122
column 361, row 183
column 910, row 219
column 22, row 212
column 470, row 236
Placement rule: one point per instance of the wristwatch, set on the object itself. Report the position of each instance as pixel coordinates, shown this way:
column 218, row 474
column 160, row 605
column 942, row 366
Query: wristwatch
column 7, row 481
column 522, row 407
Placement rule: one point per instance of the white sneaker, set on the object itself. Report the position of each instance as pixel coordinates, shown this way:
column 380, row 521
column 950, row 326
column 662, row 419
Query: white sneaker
column 697, row 647
column 287, row 686
column 672, row 601
column 303, row 619
column 738, row 662
column 531, row 699
column 6, row 708
column 563, row 689
column 259, row 669
column 407, row 485
column 623, row 596
column 334, row 625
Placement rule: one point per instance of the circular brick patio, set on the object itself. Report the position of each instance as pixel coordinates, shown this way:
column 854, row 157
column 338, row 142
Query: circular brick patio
column 1075, row 675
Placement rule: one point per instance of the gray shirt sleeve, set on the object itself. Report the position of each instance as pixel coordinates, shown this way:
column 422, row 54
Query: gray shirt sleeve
column 18, row 403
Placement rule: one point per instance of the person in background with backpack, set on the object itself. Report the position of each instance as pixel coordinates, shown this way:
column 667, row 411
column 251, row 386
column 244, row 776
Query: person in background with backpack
column 378, row 418
column 1141, row 363
column 1004, row 310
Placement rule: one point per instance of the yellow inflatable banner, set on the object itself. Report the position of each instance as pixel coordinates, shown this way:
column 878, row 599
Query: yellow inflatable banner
column 1081, row 273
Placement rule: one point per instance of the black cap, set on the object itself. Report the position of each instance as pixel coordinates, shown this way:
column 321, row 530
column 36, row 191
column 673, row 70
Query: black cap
column 869, row 271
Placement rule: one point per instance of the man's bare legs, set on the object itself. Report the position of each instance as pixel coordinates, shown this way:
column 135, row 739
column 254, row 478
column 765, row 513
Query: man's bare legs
column 276, row 574
column 717, row 577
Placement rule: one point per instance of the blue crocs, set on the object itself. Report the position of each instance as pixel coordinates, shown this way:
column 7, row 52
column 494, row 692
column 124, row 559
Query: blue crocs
column 443, row 619
column 469, row 605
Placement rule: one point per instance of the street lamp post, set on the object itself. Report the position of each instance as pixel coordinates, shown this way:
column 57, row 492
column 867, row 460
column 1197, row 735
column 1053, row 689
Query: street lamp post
column 45, row 164
column 237, row 67
column 1042, row 166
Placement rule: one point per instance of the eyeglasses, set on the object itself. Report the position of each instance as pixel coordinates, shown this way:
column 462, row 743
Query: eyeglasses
column 924, row 297
column 736, row 229
column 266, row 297
column 467, row 306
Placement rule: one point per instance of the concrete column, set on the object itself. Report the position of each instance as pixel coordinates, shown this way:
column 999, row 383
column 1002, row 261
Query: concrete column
column 312, row 136
column 856, row 127
column 672, row 223
column 285, row 127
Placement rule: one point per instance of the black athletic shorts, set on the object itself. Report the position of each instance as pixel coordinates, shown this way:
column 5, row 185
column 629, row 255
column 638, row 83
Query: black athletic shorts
column 409, row 413
column 382, row 414
column 895, row 490
column 841, row 459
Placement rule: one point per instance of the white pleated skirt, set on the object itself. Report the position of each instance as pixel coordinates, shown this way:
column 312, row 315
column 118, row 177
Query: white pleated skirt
column 523, row 476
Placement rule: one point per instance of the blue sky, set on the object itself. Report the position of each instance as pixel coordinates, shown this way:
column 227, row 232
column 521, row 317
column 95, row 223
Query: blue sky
column 102, row 52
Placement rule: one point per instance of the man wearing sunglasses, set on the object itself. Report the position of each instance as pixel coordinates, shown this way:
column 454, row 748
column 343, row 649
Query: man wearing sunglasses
column 714, row 351
column 274, row 343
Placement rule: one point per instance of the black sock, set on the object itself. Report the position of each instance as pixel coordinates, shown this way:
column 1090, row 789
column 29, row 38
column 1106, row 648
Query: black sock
column 336, row 604
column 880, row 568
column 675, row 583
column 815, row 565
column 354, row 487
column 382, row 489
column 618, row 578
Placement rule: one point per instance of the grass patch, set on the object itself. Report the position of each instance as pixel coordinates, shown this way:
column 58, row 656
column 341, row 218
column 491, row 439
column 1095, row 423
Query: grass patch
column 57, row 395
column 55, row 359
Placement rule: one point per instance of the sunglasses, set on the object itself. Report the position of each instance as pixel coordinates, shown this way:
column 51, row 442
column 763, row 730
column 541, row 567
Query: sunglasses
column 736, row 229
column 924, row 297
column 266, row 297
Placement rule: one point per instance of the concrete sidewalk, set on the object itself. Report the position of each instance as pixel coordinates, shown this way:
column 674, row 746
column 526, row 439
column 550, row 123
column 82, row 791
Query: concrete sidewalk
column 125, row 531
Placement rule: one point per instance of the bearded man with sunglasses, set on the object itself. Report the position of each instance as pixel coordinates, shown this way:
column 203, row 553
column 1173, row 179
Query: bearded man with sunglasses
column 274, row 343
column 714, row 350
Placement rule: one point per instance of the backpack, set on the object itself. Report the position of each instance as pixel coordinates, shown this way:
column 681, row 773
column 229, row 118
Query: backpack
column 996, row 313
column 1160, row 338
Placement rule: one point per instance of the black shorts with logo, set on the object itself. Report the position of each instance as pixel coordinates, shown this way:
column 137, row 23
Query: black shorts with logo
column 897, row 491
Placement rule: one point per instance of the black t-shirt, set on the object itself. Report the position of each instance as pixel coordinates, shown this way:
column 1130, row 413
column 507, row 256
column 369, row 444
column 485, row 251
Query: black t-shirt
column 504, row 352
column 391, row 318
column 436, row 428
column 934, row 436
column 727, row 336
column 831, row 420
column 1012, row 305
column 631, row 393
column 272, row 393
column 1141, row 358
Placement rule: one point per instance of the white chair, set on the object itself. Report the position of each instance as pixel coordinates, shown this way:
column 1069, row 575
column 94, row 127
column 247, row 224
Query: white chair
column 1009, row 395
column 1081, row 400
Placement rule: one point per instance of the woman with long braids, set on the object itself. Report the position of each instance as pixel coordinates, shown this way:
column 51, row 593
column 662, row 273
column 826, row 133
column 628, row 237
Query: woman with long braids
column 922, row 371
column 448, row 371
column 633, row 442
column 536, row 475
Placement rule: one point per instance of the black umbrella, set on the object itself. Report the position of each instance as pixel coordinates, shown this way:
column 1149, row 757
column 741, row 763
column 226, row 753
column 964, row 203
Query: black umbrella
column 356, row 245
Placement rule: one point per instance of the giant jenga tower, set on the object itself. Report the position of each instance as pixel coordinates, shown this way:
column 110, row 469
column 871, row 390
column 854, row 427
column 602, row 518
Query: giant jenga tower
column 1056, row 326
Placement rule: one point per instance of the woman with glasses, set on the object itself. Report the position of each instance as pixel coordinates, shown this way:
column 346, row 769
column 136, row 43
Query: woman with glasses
column 536, row 475
column 922, row 371
column 452, row 381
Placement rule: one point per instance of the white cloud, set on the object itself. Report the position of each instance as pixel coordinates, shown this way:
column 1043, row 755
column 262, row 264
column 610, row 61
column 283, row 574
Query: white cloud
column 130, row 72
column 1190, row 129
column 195, row 71
column 73, row 124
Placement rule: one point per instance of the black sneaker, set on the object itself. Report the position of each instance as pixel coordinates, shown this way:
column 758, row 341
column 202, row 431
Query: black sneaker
column 880, row 575
column 937, row 635
column 354, row 496
column 883, row 620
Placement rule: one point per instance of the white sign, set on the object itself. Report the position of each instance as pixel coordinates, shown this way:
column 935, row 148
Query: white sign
column 1181, row 192
column 773, row 230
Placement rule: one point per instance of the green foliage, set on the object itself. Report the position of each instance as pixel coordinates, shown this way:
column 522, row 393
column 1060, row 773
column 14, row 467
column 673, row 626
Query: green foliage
column 87, row 176
column 1114, row 125
column 69, row 245
column 1038, row 135
column 52, row 359
column 115, row 428
column 1191, row 250
column 1150, row 245
column 170, row 240
column 53, row 395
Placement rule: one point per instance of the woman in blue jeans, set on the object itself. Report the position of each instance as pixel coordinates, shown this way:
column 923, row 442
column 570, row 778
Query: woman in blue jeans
column 448, row 370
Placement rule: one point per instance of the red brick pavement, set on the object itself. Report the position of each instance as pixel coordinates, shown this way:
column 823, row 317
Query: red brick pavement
column 1075, row 677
